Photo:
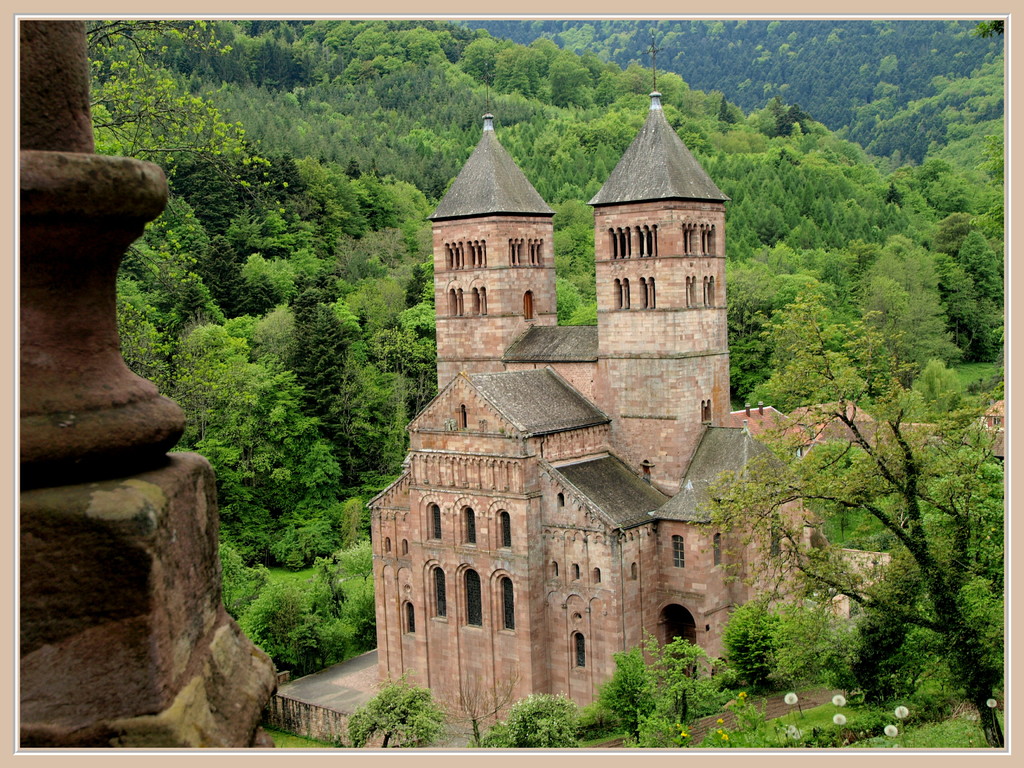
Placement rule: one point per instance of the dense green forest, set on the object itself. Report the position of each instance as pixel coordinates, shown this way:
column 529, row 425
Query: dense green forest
column 284, row 298
column 885, row 84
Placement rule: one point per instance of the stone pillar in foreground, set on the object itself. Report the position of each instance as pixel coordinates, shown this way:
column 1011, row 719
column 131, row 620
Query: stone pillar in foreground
column 124, row 639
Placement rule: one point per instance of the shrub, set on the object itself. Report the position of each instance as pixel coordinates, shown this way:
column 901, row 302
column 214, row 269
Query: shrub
column 749, row 639
column 539, row 720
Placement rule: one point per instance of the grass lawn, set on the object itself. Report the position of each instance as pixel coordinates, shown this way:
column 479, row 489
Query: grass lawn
column 969, row 373
column 298, row 577
column 949, row 734
column 283, row 740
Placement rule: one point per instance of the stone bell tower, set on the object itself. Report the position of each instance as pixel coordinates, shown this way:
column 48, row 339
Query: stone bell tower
column 494, row 266
column 659, row 248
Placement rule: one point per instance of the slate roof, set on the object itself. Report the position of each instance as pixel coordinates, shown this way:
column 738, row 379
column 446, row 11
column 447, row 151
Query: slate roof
column 657, row 166
column 554, row 344
column 489, row 183
column 721, row 449
column 610, row 485
column 537, row 402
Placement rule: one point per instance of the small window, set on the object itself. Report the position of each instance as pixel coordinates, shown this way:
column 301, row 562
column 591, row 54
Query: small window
column 463, row 417
column 580, row 644
column 597, row 575
column 717, row 547
column 440, row 596
column 528, row 305
column 575, row 570
column 561, row 499
column 405, row 546
column 462, row 307
column 652, row 299
column 508, row 603
column 618, row 293
column 554, row 569
column 632, row 571
column 410, row 618
column 387, row 544
column 474, row 612
column 483, row 301
column 506, row 528
column 435, row 521
column 469, row 522
column 678, row 552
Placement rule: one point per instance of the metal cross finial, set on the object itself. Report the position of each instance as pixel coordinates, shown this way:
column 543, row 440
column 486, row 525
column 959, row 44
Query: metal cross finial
column 653, row 50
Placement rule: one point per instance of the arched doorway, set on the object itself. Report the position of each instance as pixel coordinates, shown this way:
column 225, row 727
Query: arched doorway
column 675, row 622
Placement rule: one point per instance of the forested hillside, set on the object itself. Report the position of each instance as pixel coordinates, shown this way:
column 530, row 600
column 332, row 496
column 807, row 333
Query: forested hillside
column 885, row 84
column 285, row 296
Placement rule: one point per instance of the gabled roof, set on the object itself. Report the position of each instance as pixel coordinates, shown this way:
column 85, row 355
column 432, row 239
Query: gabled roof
column 489, row 183
column 554, row 344
column 721, row 449
column 610, row 485
column 657, row 166
column 537, row 402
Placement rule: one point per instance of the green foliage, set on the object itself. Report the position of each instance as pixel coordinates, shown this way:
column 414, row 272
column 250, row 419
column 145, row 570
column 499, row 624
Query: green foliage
column 750, row 642
column 539, row 721
column 240, row 584
column 935, row 488
column 630, row 691
column 401, row 715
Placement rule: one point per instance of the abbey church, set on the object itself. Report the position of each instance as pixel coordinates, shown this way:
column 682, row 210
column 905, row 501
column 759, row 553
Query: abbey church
column 550, row 511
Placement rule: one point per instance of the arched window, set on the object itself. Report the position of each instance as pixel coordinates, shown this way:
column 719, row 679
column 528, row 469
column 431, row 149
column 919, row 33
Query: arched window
column 580, row 645
column 448, row 255
column 528, row 305
column 712, row 241
column 483, row 301
column 453, row 303
column 554, row 569
column 387, row 543
column 632, row 571
column 575, row 570
column 405, row 546
column 469, row 525
column 435, row 521
column 711, row 291
column 643, row 293
column 705, row 294
column 440, row 596
column 508, row 604
column 705, row 411
column 625, row 293
column 652, row 299
column 561, row 499
column 678, row 552
column 505, row 523
column 618, row 293
column 410, row 618
column 717, row 546
column 462, row 307
column 474, row 613
column 614, row 243
column 597, row 575
column 476, row 301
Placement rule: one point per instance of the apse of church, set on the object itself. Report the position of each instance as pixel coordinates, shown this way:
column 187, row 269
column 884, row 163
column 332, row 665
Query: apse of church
column 551, row 509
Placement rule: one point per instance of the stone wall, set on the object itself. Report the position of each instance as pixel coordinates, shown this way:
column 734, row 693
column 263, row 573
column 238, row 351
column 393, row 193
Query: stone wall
column 303, row 719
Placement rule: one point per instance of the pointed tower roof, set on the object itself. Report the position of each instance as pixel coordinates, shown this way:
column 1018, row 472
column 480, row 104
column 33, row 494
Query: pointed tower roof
column 490, row 182
column 657, row 166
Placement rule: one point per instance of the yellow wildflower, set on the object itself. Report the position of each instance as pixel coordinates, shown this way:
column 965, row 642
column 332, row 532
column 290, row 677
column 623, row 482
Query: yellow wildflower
column 720, row 721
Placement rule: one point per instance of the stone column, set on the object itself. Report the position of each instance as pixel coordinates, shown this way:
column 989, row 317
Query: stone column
column 124, row 639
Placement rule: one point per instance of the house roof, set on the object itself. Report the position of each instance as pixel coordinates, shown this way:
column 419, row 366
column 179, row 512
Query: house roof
column 490, row 183
column 612, row 487
column 554, row 344
column 657, row 166
column 721, row 449
column 537, row 402
column 757, row 420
